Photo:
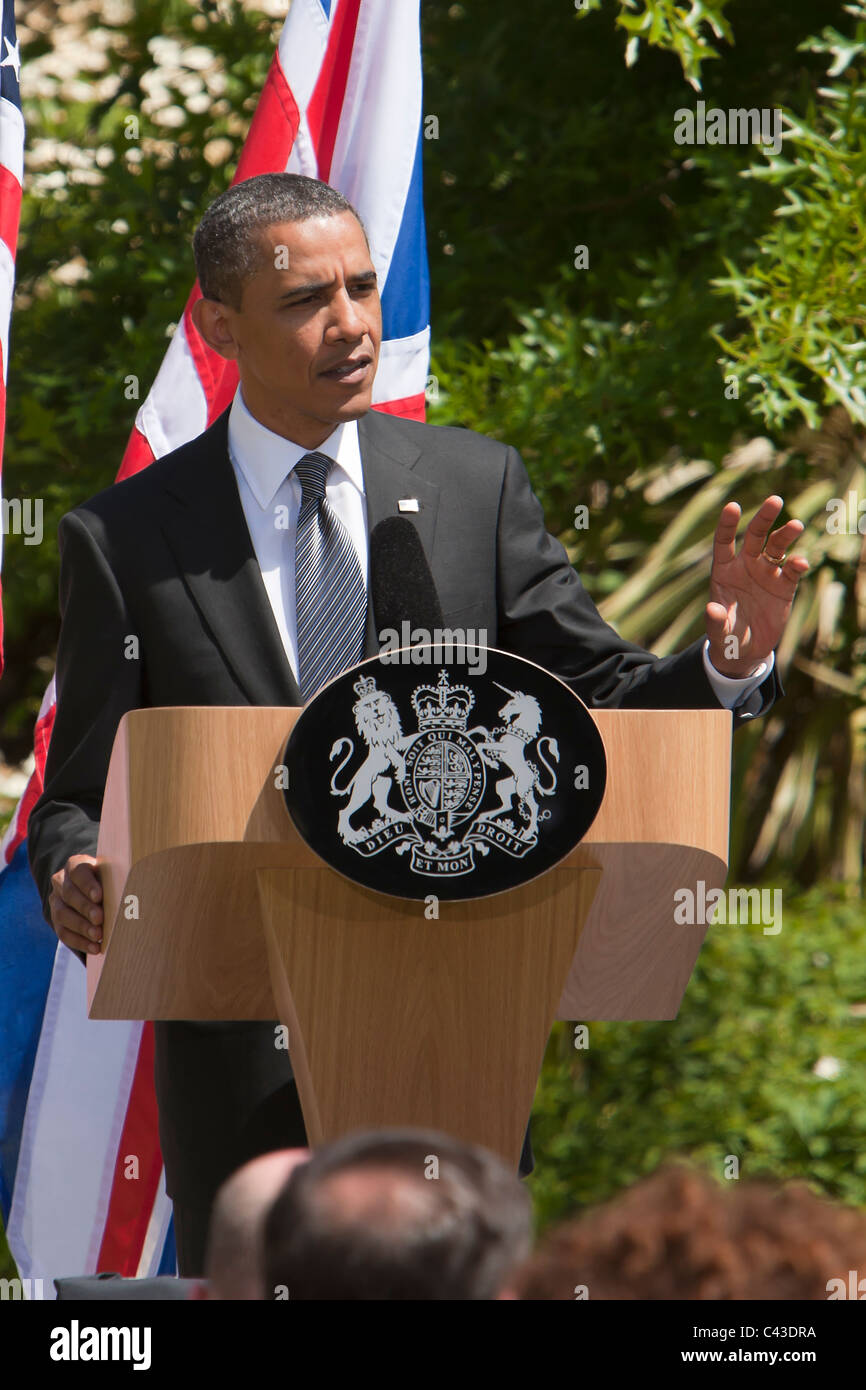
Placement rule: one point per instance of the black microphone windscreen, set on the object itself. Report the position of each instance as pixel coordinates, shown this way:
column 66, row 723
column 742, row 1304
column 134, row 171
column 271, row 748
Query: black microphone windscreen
column 401, row 584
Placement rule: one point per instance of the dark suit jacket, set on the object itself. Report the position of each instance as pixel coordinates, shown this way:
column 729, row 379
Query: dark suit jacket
column 163, row 602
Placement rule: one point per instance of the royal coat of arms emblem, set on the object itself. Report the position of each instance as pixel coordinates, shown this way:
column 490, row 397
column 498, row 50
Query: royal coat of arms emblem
column 438, row 776
column 466, row 784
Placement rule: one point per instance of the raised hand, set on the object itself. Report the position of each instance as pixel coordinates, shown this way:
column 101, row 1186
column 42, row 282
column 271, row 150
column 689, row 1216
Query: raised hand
column 751, row 590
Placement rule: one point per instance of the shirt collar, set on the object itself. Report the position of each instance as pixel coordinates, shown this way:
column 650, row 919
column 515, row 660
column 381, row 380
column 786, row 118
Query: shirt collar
column 265, row 459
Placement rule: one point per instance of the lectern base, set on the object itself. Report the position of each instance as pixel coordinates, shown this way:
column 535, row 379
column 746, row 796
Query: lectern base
column 411, row 1044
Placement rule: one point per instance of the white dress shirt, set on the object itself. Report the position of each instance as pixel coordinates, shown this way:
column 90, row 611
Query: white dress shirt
column 270, row 494
column 739, row 693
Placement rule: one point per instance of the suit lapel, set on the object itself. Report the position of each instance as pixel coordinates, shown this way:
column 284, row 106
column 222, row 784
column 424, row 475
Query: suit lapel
column 388, row 459
column 205, row 526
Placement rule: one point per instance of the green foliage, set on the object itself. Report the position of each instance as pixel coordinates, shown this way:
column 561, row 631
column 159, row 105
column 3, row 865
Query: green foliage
column 667, row 25
column 564, row 390
column 598, row 372
column 569, row 147
column 721, row 1080
column 802, row 345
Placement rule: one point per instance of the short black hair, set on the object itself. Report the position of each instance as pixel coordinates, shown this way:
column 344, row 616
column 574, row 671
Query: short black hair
column 225, row 245
column 457, row 1235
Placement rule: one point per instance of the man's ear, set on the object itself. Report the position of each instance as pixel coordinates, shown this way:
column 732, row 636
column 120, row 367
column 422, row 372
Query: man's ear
column 211, row 320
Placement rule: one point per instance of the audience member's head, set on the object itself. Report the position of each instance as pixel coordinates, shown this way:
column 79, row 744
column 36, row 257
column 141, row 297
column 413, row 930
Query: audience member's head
column 681, row 1235
column 235, row 1240
column 397, row 1214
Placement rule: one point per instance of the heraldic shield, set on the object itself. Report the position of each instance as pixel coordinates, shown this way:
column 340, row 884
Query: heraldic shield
column 429, row 771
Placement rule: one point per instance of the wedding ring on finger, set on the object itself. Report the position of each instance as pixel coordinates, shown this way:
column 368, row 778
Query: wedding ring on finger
column 778, row 560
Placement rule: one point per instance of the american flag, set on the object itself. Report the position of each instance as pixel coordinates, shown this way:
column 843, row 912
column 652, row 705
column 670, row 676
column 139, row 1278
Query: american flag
column 342, row 102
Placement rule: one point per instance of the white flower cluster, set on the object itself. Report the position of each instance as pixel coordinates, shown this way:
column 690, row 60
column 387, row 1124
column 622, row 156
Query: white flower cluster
column 83, row 34
column 79, row 46
column 193, row 72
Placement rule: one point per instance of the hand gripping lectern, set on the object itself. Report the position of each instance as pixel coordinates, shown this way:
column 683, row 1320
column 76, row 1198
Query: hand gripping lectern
column 215, row 908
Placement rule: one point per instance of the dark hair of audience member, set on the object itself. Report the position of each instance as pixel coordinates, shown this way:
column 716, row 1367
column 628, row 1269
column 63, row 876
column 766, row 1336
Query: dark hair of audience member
column 396, row 1215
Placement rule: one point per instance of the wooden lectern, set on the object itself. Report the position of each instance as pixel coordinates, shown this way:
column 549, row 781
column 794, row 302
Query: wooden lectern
column 216, row 909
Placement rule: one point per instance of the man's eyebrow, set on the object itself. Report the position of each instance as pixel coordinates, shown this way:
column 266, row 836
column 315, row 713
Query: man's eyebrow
column 364, row 277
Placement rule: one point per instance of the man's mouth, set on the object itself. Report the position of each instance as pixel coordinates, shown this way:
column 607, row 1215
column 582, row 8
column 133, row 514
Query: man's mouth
column 351, row 371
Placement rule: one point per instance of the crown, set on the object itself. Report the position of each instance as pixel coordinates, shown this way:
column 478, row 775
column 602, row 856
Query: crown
column 443, row 706
column 363, row 688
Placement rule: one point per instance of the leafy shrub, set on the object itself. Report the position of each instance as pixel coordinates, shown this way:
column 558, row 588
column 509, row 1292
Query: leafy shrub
column 734, row 1074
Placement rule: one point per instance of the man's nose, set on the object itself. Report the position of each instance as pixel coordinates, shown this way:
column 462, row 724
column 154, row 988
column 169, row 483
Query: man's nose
column 346, row 316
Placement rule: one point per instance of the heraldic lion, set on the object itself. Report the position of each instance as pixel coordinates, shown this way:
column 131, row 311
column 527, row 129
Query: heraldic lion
column 377, row 721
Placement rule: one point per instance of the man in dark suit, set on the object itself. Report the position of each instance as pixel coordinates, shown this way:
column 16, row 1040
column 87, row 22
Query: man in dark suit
column 180, row 587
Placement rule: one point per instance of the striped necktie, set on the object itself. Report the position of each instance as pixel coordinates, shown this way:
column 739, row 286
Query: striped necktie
column 330, row 597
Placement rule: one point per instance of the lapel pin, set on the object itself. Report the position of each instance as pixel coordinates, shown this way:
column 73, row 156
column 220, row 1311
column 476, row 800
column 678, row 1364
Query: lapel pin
column 408, row 504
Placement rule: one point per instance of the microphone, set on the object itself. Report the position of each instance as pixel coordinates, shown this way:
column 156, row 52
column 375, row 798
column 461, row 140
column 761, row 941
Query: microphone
column 401, row 583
